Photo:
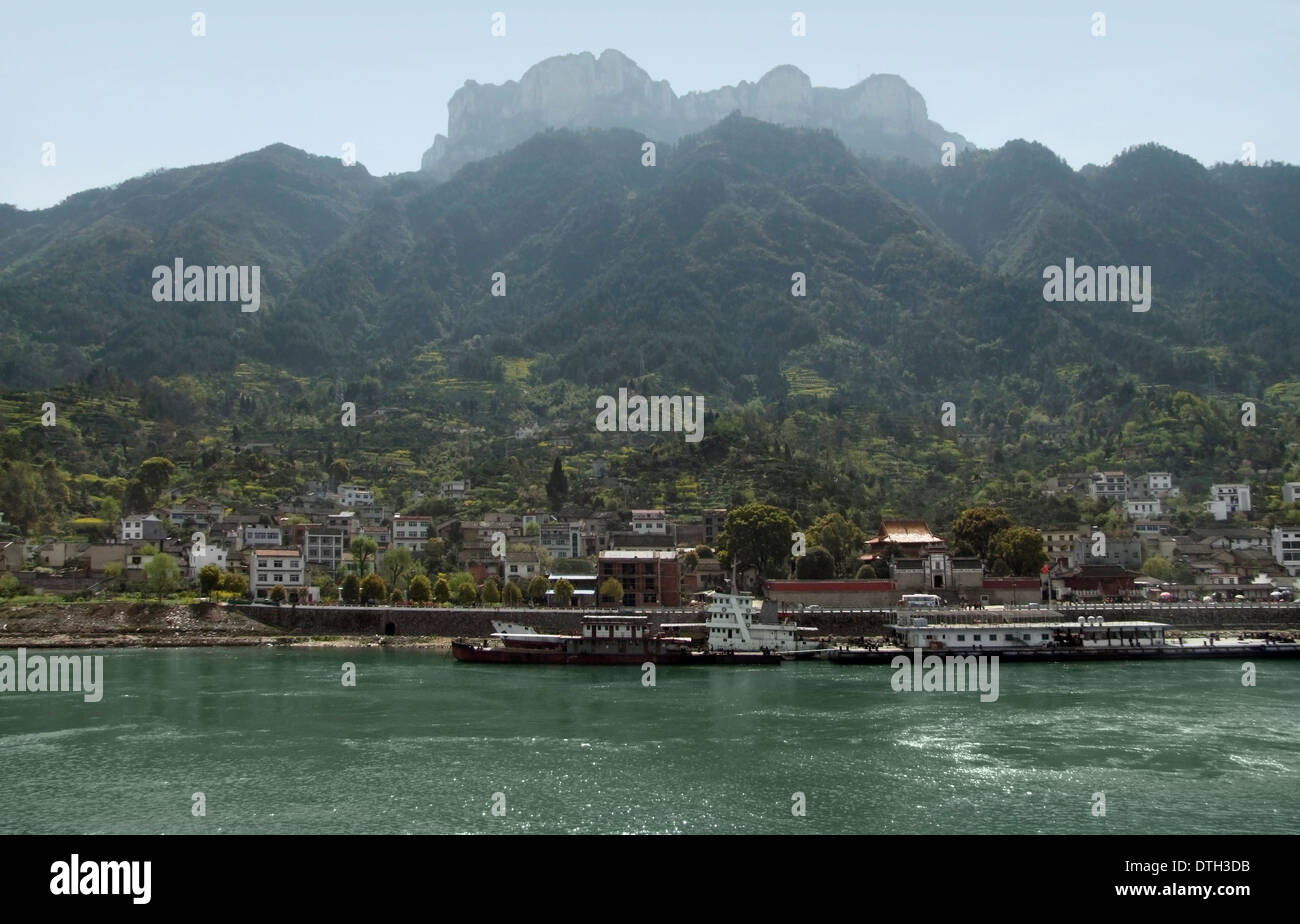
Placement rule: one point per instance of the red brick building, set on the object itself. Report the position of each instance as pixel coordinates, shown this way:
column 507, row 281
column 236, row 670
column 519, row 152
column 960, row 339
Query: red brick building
column 650, row 577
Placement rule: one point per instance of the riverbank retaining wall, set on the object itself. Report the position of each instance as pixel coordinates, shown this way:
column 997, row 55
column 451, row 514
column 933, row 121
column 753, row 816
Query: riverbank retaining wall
column 477, row 622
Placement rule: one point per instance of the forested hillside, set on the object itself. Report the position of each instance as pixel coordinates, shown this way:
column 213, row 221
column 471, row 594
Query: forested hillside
column 923, row 286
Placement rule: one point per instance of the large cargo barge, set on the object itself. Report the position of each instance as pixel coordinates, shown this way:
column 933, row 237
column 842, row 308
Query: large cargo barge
column 605, row 639
column 1090, row 638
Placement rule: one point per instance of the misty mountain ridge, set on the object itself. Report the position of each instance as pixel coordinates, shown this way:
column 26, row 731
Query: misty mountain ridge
column 881, row 115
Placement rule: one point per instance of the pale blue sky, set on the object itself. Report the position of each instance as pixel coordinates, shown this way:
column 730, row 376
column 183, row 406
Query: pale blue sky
column 122, row 87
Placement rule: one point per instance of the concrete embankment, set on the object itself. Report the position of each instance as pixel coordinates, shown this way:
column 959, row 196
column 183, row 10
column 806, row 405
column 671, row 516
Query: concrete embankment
column 477, row 622
column 140, row 623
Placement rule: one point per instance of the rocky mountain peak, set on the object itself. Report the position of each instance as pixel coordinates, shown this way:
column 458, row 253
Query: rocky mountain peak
column 880, row 115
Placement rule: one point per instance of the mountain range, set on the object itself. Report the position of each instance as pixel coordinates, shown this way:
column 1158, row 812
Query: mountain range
column 924, row 284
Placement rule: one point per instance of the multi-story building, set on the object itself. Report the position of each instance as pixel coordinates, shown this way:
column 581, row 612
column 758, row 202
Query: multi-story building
column 715, row 520
column 453, row 490
column 355, row 495
column 210, row 555
column 1144, row 508
column 521, row 567
column 143, row 528
column 1151, row 529
column 1227, row 499
column 1111, row 487
column 261, row 537
column 649, row 522
column 561, row 540
column 323, row 546
column 1122, row 550
column 346, row 520
column 1291, row 492
column 1059, row 543
column 411, row 533
column 1155, row 484
column 201, row 513
column 276, row 567
column 650, row 577
column 1286, row 548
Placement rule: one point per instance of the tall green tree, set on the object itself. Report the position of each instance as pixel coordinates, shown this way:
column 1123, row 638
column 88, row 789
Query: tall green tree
column 1019, row 549
column 464, row 589
column 758, row 536
column 441, row 590
column 1158, row 567
column 511, row 595
column 839, row 537
column 563, row 592
column 557, row 486
column 816, row 565
column 162, row 575
column 975, row 527
column 155, row 474
column 420, row 590
column 363, row 549
column 396, row 565
column 611, row 591
column 373, row 589
column 209, row 579
column 491, row 592
column 537, row 589
column 351, row 588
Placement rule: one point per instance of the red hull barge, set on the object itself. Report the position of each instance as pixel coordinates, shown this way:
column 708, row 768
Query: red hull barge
column 604, row 640
column 508, row 654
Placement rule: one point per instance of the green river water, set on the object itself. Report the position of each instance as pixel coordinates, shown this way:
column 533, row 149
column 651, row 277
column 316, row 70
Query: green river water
column 277, row 744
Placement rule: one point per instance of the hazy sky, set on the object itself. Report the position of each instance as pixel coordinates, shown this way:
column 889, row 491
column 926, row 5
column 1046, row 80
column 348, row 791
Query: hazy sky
column 122, row 86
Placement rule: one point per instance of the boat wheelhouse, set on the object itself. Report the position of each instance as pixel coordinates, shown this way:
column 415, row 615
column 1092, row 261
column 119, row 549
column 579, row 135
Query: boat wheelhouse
column 736, row 622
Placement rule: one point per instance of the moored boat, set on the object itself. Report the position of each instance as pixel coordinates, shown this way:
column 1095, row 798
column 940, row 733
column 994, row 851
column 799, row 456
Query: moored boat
column 604, row 639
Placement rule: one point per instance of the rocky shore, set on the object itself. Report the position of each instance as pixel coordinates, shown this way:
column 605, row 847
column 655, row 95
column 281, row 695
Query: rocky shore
column 121, row 624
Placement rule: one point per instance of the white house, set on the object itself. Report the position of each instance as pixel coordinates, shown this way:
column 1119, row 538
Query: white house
column 649, row 522
column 211, row 555
column 143, row 528
column 1291, row 492
column 410, row 533
column 1109, row 486
column 276, row 567
column 1143, row 509
column 455, row 490
column 355, row 495
column 1227, row 499
column 1286, row 548
column 522, row 566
